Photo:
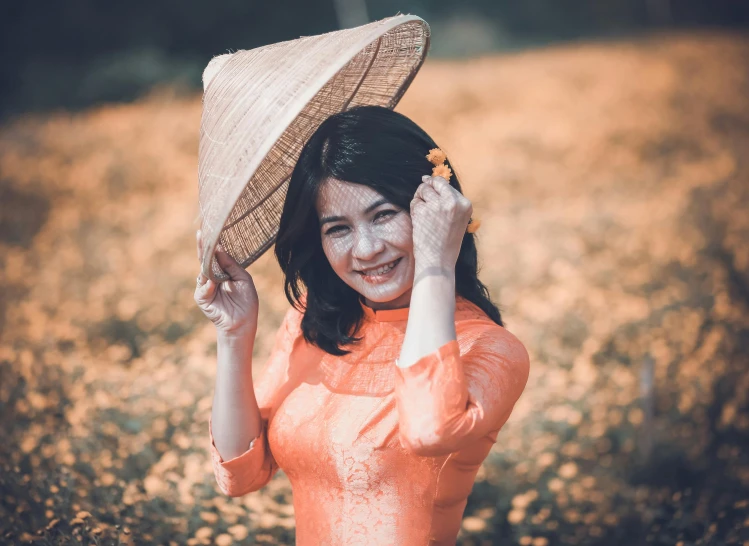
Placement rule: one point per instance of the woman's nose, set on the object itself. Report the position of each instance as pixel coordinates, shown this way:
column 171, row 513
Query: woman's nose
column 367, row 245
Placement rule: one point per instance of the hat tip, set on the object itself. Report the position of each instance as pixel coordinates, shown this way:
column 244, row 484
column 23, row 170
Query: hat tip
column 213, row 67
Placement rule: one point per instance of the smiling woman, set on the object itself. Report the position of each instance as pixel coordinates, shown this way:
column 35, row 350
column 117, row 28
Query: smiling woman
column 361, row 169
column 371, row 247
column 392, row 373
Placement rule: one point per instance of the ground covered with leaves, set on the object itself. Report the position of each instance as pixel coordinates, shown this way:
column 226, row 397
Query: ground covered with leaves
column 611, row 180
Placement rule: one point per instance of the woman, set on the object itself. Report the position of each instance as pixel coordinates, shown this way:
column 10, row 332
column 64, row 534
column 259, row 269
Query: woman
column 392, row 374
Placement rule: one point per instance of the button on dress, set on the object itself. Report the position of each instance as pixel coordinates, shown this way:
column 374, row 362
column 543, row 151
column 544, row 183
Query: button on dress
column 377, row 454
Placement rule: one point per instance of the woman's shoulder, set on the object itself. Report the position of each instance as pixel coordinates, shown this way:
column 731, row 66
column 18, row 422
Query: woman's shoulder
column 477, row 333
column 290, row 336
column 292, row 320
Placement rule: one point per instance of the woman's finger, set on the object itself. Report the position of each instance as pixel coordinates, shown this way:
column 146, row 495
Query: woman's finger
column 229, row 264
column 440, row 184
column 417, row 193
column 204, row 292
column 416, row 203
column 428, row 192
column 424, row 187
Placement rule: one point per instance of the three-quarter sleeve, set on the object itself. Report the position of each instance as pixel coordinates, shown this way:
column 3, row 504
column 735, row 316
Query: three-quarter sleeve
column 446, row 400
column 254, row 468
column 246, row 472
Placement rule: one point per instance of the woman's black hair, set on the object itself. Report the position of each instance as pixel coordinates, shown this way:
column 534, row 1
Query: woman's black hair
column 386, row 151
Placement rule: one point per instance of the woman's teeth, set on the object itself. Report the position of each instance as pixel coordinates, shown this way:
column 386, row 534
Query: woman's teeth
column 381, row 270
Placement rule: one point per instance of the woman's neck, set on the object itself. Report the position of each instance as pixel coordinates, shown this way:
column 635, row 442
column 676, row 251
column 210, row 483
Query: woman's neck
column 404, row 300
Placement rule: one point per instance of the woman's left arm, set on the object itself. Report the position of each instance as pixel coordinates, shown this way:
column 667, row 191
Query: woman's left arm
column 445, row 399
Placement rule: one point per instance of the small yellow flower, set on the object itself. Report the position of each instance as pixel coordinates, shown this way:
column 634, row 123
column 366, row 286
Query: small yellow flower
column 436, row 156
column 443, row 171
column 473, row 225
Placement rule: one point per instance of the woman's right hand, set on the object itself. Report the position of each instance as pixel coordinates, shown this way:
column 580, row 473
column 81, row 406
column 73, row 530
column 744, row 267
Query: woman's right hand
column 231, row 305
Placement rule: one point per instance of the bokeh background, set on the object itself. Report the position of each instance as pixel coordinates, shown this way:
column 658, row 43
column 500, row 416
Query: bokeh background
column 604, row 144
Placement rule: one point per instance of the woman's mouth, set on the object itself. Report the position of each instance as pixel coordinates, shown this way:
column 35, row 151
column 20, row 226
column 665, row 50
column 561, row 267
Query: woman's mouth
column 380, row 274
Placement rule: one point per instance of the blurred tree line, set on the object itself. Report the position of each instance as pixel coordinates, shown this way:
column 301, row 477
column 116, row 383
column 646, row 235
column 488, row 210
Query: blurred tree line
column 80, row 52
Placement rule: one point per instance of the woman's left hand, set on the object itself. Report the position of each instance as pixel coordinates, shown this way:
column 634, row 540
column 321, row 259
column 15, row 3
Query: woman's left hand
column 439, row 215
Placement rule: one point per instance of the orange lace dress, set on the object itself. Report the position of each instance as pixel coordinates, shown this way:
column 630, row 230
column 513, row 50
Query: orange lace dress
column 377, row 454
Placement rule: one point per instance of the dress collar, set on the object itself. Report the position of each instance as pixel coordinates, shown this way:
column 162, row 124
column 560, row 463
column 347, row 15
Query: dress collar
column 384, row 315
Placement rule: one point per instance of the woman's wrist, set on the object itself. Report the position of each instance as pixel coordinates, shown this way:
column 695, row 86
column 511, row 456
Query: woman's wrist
column 431, row 318
column 236, row 339
column 425, row 268
column 234, row 356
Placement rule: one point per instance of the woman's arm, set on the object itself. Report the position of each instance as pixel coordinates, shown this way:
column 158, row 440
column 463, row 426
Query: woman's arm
column 445, row 399
column 235, row 416
column 431, row 315
column 439, row 216
column 241, row 462
column 448, row 399
column 238, row 427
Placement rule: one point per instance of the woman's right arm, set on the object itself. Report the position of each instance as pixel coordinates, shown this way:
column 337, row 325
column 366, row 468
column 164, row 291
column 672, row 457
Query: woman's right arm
column 244, row 413
column 235, row 416
column 241, row 460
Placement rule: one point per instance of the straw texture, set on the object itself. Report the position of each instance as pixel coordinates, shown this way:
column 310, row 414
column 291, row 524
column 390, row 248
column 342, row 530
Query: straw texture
column 259, row 108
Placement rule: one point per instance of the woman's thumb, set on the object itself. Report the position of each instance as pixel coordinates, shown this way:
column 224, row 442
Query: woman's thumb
column 227, row 263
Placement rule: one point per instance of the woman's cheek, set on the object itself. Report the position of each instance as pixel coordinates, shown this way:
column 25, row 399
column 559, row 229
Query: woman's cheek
column 335, row 250
column 404, row 233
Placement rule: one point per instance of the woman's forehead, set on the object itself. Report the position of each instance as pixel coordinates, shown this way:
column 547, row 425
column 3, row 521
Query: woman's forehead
column 337, row 197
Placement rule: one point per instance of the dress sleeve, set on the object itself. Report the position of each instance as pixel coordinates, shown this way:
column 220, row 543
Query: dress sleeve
column 255, row 467
column 446, row 400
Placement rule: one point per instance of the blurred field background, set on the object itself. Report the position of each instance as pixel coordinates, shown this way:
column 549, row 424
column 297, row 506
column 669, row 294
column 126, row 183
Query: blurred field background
column 608, row 159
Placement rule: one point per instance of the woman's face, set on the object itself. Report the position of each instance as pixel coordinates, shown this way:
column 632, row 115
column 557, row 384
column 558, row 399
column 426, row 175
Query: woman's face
column 362, row 233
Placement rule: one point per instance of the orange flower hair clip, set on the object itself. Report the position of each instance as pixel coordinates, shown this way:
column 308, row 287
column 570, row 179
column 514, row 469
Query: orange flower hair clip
column 438, row 158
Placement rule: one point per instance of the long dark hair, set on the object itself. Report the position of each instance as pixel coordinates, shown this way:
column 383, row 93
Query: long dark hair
column 376, row 147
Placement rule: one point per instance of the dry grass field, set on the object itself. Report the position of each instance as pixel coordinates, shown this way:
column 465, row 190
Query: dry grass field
column 612, row 180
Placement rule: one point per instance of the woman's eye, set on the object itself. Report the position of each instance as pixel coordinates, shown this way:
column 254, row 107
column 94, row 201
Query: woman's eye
column 334, row 229
column 381, row 214
column 384, row 213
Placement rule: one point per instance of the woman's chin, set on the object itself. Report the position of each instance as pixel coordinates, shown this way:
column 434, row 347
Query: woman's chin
column 384, row 293
column 382, row 296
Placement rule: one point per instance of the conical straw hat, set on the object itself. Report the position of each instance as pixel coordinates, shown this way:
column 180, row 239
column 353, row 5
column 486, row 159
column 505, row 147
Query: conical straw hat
column 260, row 106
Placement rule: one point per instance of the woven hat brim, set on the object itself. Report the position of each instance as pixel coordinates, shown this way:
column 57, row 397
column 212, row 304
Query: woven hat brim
column 259, row 108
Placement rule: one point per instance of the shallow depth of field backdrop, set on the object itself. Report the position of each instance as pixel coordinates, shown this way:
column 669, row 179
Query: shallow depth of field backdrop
column 607, row 153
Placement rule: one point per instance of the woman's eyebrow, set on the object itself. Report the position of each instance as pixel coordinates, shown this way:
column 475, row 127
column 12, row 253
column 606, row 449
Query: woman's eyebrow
column 369, row 209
